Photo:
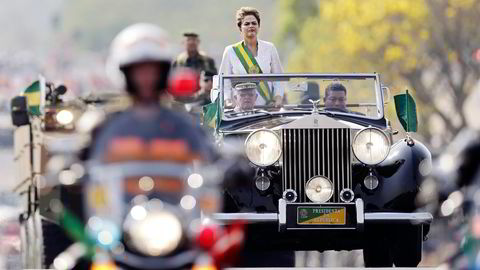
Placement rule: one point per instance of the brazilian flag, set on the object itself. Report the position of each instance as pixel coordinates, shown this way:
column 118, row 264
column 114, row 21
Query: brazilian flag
column 210, row 114
column 34, row 97
column 406, row 111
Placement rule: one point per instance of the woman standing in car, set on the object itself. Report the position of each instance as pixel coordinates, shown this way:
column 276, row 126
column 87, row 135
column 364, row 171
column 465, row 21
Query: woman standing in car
column 251, row 56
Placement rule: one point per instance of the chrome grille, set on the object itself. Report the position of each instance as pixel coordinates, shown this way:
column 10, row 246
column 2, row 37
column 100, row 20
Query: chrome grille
column 312, row 152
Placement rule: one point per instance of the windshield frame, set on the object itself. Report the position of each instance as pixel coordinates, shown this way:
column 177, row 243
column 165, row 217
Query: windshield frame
column 287, row 76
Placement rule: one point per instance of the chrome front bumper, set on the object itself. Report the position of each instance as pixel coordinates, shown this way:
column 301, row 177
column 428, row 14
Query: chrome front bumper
column 362, row 218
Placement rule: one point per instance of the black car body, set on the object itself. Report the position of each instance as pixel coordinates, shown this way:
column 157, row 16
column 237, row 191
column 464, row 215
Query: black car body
column 367, row 202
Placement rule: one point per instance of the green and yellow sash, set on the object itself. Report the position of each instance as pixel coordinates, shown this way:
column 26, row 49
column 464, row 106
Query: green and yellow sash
column 252, row 67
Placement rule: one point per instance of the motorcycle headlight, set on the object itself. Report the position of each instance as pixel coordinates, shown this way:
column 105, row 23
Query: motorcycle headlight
column 156, row 233
column 319, row 189
column 64, row 117
column 263, row 147
column 371, row 146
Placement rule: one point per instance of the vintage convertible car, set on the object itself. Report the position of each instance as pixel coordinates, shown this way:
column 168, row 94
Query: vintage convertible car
column 325, row 178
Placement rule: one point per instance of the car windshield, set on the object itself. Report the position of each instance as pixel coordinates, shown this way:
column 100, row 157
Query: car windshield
column 353, row 94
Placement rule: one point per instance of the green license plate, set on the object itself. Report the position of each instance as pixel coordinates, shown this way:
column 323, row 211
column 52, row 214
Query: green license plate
column 321, row 215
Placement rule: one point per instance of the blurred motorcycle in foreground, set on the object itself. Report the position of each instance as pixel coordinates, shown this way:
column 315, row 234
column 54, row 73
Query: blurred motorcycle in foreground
column 136, row 211
column 452, row 192
column 146, row 214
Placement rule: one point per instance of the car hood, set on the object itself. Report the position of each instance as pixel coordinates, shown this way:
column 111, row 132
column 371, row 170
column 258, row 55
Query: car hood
column 306, row 121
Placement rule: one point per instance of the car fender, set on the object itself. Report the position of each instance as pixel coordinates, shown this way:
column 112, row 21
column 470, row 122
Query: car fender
column 400, row 176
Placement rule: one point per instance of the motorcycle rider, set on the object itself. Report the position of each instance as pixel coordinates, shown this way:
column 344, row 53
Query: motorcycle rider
column 140, row 56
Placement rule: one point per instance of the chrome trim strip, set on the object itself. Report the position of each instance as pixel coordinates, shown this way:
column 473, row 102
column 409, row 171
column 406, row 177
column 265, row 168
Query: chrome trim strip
column 322, row 229
column 252, row 217
column 230, row 132
column 337, row 159
column 422, row 217
column 295, row 173
column 304, row 75
column 304, row 146
column 284, row 161
column 359, row 209
column 282, row 212
column 342, row 162
column 289, row 159
column 324, row 149
column 350, row 162
column 319, row 147
column 329, row 153
column 311, row 153
column 321, row 204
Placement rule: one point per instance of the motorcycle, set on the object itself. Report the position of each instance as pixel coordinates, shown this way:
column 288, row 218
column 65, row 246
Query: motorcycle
column 140, row 211
column 452, row 193
column 147, row 215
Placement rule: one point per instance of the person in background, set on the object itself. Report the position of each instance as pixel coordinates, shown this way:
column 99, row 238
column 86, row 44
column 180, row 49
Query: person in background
column 252, row 56
column 192, row 57
column 206, row 84
column 195, row 106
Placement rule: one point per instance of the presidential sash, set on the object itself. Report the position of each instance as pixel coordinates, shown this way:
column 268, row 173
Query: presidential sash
column 252, row 67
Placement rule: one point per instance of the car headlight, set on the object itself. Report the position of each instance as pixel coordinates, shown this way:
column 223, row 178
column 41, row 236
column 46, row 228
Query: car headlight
column 371, row 146
column 154, row 233
column 319, row 189
column 263, row 147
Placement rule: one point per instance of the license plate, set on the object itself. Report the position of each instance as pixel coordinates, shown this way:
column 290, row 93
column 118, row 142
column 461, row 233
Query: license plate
column 321, row 215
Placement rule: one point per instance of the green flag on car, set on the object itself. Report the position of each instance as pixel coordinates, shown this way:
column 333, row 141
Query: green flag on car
column 406, row 111
column 210, row 114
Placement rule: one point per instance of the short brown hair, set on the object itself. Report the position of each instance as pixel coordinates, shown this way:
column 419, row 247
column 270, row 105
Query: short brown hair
column 245, row 11
column 335, row 87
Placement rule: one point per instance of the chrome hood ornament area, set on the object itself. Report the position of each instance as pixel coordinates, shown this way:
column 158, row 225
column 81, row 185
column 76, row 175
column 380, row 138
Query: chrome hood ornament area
column 315, row 105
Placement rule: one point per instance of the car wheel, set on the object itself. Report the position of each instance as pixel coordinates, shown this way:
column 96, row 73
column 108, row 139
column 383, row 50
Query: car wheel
column 376, row 253
column 407, row 251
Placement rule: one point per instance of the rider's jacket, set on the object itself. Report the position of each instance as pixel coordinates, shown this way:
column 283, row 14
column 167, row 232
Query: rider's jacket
column 150, row 132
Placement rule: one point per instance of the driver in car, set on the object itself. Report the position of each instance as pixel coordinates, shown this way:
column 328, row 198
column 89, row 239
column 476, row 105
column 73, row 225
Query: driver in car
column 335, row 97
column 245, row 96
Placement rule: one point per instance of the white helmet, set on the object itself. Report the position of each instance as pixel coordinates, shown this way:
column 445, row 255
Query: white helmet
column 138, row 43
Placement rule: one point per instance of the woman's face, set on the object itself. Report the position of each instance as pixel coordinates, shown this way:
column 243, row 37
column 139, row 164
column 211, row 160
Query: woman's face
column 249, row 26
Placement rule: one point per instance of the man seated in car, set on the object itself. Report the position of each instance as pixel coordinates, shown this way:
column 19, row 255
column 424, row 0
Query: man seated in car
column 336, row 97
column 245, row 95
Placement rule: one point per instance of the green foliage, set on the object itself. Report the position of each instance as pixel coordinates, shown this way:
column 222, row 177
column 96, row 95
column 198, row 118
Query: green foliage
column 423, row 45
column 295, row 14
column 359, row 36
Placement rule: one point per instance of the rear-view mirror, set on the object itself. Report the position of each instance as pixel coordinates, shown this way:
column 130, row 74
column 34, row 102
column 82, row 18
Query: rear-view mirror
column 19, row 111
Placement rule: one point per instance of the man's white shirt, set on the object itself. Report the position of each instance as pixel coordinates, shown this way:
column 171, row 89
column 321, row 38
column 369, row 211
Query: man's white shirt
column 268, row 60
